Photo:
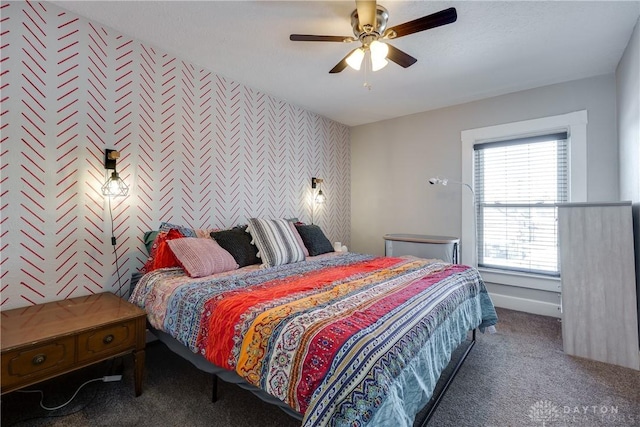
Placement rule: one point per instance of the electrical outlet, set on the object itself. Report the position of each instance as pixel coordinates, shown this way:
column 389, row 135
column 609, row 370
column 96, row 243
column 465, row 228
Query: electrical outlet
column 111, row 378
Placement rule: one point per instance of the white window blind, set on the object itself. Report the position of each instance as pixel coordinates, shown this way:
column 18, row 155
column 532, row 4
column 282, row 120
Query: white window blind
column 517, row 184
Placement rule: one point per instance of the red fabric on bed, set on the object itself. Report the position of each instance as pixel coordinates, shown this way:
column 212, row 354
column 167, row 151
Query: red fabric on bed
column 324, row 344
column 234, row 303
column 161, row 255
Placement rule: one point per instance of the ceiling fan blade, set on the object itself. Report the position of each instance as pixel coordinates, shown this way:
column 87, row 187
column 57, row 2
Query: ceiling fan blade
column 342, row 64
column 399, row 57
column 366, row 13
column 312, row 38
column 444, row 17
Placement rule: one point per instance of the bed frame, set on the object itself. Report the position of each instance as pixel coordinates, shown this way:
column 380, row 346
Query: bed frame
column 229, row 376
column 437, row 396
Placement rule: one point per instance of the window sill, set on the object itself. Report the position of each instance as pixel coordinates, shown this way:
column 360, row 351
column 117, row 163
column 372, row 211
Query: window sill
column 521, row 280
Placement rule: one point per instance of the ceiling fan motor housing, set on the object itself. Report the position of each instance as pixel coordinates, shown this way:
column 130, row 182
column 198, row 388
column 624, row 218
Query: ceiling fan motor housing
column 367, row 35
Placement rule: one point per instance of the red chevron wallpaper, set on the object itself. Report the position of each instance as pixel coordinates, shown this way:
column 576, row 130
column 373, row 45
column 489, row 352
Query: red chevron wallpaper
column 197, row 149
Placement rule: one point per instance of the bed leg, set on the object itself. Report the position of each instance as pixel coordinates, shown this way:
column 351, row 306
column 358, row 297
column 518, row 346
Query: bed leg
column 214, row 393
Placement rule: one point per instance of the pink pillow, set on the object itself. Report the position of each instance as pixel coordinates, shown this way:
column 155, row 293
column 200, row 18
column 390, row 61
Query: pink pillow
column 201, row 257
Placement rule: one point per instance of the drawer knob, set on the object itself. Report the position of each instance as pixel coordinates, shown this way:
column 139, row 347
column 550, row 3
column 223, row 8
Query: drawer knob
column 107, row 339
column 38, row 359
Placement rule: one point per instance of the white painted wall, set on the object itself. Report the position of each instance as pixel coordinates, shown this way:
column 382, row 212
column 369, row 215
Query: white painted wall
column 391, row 162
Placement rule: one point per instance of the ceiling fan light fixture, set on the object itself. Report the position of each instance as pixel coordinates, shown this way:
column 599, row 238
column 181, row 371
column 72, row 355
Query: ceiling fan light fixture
column 378, row 63
column 355, row 59
column 379, row 50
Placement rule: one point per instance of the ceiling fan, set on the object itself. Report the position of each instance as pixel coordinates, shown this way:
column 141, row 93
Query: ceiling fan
column 369, row 22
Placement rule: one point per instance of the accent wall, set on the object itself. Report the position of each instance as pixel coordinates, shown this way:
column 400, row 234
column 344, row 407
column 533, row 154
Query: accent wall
column 198, row 149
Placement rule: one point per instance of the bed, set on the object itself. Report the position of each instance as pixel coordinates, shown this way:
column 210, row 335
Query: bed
column 339, row 339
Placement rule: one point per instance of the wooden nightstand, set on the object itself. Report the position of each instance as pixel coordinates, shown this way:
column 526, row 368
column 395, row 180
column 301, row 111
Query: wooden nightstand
column 46, row 340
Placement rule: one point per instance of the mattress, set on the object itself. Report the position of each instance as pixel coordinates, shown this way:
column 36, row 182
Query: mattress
column 342, row 339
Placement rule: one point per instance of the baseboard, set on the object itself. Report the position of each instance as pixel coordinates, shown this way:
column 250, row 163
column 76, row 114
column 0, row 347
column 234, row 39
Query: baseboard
column 526, row 305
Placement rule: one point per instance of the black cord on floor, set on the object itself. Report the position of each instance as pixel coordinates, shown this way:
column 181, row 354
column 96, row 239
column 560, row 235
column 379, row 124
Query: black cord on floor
column 113, row 243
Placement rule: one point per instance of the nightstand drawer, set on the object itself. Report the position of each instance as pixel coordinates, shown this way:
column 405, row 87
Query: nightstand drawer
column 43, row 341
column 34, row 362
column 106, row 341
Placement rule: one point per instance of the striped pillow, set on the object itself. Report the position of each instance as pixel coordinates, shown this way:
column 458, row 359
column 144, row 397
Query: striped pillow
column 275, row 241
column 201, row 257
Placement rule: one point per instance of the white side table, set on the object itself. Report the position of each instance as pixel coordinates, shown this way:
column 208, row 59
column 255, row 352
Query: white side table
column 423, row 246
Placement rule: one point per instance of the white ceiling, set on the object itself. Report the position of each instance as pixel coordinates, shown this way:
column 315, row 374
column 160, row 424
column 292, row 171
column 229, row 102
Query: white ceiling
column 494, row 48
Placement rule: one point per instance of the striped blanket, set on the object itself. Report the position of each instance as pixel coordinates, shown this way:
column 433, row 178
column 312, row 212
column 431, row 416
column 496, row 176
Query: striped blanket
column 346, row 340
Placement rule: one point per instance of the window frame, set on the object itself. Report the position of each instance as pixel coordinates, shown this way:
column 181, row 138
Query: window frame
column 556, row 144
column 575, row 124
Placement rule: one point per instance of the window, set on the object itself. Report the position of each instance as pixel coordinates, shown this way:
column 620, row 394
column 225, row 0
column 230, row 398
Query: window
column 517, row 185
column 574, row 124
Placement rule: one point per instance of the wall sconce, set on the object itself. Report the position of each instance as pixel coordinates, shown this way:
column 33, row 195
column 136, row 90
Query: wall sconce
column 114, row 185
column 320, row 197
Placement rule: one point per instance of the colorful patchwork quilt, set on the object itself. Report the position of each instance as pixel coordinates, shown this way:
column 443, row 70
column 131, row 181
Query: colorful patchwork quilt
column 345, row 339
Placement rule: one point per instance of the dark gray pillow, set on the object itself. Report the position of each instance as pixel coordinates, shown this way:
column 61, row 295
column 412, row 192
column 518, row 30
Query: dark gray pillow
column 314, row 239
column 238, row 243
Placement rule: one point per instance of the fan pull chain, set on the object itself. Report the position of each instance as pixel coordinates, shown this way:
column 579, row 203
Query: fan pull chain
column 367, row 62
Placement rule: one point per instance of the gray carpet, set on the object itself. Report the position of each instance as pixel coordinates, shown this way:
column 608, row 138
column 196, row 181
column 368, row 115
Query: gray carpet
column 516, row 377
